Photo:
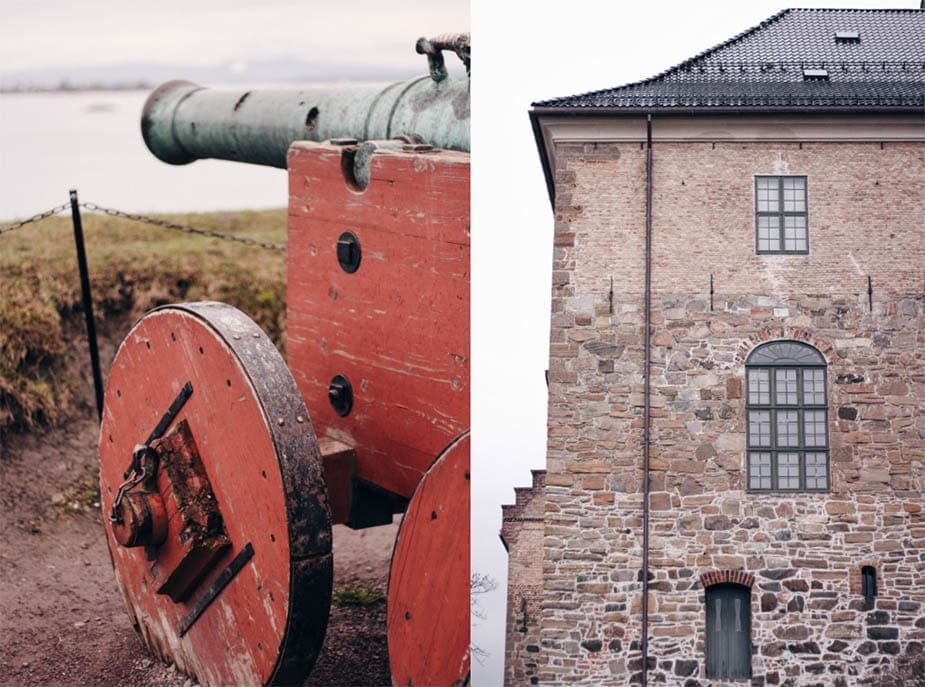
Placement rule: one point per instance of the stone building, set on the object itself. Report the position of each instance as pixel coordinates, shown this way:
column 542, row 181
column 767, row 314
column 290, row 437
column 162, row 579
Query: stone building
column 736, row 371
column 522, row 536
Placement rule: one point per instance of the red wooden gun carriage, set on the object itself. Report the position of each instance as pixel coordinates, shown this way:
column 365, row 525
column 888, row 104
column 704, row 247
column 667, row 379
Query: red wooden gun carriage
column 223, row 469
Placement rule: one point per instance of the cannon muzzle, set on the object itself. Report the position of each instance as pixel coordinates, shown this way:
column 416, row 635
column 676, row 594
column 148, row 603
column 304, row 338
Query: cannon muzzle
column 182, row 122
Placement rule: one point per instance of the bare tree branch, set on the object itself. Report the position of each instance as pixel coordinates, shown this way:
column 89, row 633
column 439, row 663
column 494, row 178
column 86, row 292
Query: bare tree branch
column 480, row 584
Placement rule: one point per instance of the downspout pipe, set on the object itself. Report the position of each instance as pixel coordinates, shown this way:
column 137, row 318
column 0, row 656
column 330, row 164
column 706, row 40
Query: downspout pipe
column 646, row 406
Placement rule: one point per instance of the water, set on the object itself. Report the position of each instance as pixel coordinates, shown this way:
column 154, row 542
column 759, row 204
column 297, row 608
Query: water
column 53, row 142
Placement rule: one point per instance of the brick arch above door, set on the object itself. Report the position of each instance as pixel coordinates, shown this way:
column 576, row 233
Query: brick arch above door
column 714, row 577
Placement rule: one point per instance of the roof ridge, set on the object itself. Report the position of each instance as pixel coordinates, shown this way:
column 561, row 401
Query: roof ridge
column 691, row 61
column 719, row 46
column 855, row 9
column 677, row 67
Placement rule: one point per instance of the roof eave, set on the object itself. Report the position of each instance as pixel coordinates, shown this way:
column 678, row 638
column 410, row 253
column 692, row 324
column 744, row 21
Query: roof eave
column 544, row 157
column 726, row 109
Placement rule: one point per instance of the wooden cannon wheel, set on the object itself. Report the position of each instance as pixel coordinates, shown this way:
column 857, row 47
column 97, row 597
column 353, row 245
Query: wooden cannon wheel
column 428, row 612
column 221, row 539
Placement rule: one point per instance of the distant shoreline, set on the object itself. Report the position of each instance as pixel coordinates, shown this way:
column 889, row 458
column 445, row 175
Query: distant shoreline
column 87, row 88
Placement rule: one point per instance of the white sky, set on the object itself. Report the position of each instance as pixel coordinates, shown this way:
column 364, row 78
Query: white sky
column 92, row 32
column 525, row 53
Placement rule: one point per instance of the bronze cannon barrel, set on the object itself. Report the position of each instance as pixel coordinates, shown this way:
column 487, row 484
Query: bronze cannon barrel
column 182, row 122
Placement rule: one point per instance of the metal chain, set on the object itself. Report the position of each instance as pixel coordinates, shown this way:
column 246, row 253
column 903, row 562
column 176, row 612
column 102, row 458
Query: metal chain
column 35, row 218
column 186, row 228
column 133, row 479
column 148, row 220
column 144, row 466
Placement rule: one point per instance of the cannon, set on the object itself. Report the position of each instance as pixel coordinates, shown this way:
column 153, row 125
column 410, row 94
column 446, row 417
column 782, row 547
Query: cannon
column 223, row 468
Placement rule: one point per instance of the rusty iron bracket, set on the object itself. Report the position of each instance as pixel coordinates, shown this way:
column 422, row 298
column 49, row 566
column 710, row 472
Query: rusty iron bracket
column 143, row 470
column 171, row 413
column 148, row 460
column 216, row 588
column 145, row 460
column 161, row 427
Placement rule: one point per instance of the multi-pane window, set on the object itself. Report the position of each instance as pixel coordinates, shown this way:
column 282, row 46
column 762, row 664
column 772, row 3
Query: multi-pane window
column 780, row 214
column 788, row 441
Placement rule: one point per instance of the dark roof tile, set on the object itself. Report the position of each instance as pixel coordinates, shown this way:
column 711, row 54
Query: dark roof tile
column 764, row 67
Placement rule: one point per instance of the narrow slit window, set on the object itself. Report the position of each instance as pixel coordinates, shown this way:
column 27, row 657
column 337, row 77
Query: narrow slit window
column 869, row 582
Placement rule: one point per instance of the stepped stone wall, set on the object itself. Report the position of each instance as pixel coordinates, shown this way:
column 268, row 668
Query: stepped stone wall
column 801, row 552
column 522, row 534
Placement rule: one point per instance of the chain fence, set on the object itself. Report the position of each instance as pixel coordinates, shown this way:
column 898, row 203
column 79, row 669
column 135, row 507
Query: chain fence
column 86, row 297
column 155, row 221
column 35, row 218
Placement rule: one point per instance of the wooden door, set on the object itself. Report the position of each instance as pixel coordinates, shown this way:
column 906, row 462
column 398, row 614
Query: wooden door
column 729, row 631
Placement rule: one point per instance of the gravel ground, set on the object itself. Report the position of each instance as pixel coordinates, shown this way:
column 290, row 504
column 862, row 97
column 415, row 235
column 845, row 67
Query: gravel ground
column 61, row 618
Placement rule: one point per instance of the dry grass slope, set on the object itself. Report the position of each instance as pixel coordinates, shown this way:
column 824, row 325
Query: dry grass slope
column 133, row 268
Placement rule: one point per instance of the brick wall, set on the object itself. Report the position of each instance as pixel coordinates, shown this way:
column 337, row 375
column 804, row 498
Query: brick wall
column 809, row 624
column 522, row 532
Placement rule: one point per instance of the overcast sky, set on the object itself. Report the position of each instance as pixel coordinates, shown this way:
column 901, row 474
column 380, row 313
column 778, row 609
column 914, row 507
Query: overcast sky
column 54, row 32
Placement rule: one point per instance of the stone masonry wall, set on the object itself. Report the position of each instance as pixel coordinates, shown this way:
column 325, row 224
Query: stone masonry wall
column 809, row 623
column 522, row 533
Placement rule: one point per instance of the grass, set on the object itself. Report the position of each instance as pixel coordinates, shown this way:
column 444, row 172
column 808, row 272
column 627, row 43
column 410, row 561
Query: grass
column 356, row 596
column 133, row 268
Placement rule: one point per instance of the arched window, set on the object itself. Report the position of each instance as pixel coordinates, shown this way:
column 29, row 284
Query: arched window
column 729, row 631
column 788, row 439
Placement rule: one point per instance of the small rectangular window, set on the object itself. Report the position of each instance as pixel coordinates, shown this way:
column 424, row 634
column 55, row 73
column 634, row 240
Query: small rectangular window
column 814, row 428
column 847, row 37
column 781, row 214
column 795, row 234
column 794, row 194
column 788, row 432
column 760, row 470
column 759, row 427
column 759, row 389
column 788, row 470
column 815, row 74
column 816, row 471
column 813, row 387
column 786, row 381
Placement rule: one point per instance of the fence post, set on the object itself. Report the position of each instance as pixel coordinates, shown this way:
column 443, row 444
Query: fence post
column 87, row 303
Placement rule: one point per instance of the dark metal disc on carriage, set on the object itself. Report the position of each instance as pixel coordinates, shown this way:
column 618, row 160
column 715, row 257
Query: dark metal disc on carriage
column 428, row 611
column 221, row 539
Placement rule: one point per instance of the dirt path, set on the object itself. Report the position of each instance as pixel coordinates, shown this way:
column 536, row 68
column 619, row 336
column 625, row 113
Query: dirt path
column 61, row 618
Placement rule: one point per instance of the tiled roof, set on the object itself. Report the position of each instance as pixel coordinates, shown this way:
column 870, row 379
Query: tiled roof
column 882, row 66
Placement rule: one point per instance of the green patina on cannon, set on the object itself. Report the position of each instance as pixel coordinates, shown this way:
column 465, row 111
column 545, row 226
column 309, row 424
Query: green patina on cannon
column 182, row 122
